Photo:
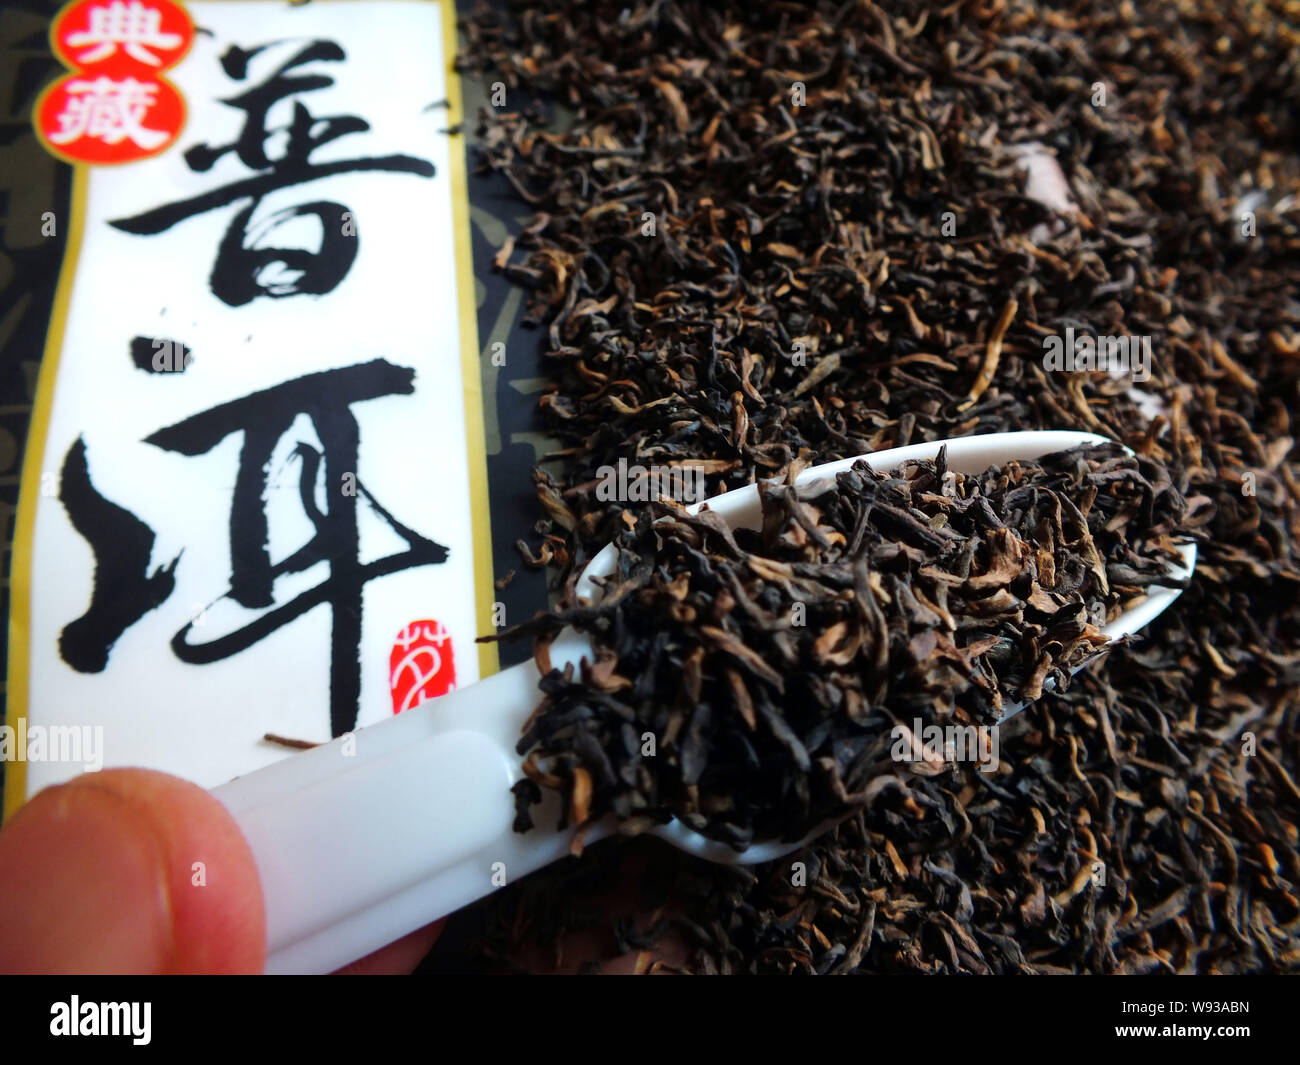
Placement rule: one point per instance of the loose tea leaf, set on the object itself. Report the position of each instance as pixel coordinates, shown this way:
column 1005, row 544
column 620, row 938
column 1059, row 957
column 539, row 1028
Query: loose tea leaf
column 832, row 278
column 779, row 673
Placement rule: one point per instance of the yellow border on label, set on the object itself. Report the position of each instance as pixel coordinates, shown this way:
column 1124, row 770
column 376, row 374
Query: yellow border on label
column 15, row 786
column 471, row 364
column 29, row 490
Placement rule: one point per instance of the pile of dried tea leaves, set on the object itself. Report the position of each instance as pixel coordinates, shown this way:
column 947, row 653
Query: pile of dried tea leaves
column 780, row 672
column 769, row 235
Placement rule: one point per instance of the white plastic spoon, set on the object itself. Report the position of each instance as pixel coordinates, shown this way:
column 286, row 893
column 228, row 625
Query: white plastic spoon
column 369, row 837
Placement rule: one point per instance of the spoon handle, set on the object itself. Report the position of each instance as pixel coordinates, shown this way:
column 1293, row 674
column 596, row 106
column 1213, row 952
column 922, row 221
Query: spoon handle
column 375, row 834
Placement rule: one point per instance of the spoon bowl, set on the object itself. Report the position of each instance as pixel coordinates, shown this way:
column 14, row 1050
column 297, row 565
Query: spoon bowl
column 741, row 509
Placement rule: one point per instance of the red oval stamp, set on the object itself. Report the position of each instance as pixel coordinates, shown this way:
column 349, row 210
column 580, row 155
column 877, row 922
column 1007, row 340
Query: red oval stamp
column 421, row 665
column 119, row 37
column 101, row 119
column 116, row 107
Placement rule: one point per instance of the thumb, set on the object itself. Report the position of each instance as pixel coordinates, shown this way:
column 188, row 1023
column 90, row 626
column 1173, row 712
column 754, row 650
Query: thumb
column 128, row 871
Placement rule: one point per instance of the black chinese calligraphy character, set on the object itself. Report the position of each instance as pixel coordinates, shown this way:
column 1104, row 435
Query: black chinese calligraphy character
column 122, row 590
column 244, row 269
column 263, row 418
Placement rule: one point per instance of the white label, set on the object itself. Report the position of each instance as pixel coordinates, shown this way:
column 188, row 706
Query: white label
column 260, row 458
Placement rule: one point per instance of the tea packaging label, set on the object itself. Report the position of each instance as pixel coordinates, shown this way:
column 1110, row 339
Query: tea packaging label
column 254, row 497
